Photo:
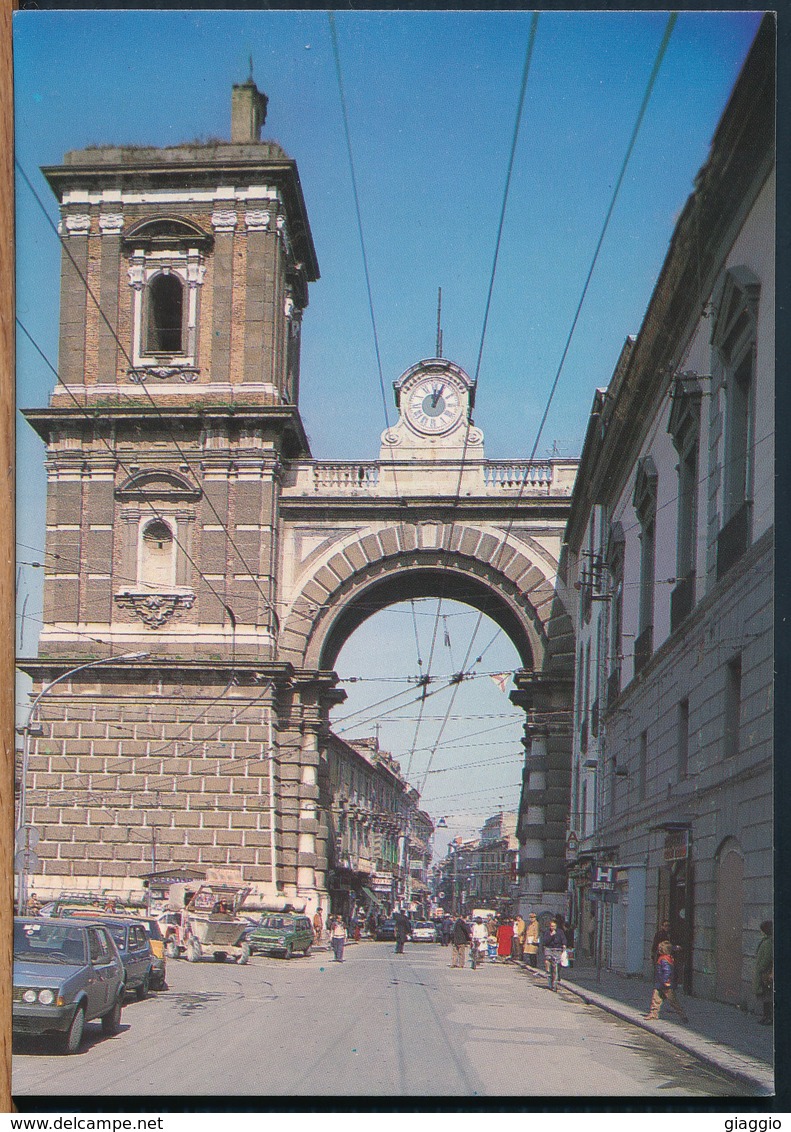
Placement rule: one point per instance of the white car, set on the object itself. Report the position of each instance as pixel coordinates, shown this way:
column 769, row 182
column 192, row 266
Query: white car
column 424, row 932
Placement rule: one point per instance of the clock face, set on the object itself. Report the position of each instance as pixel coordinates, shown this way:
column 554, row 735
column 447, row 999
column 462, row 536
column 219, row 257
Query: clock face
column 433, row 405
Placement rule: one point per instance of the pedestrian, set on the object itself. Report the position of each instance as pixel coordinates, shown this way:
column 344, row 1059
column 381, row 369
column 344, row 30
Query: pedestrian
column 532, row 936
column 318, row 924
column 661, row 935
column 491, row 925
column 764, row 977
column 403, row 929
column 446, row 928
column 491, row 948
column 505, row 935
column 518, row 944
column 479, row 938
column 460, row 940
column 338, row 938
column 665, row 983
column 372, row 925
column 33, row 905
column 554, row 941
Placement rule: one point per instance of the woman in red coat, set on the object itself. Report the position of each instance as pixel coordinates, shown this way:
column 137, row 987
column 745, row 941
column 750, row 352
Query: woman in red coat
column 505, row 938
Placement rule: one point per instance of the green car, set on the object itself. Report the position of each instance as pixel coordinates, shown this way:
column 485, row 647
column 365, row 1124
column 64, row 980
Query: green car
column 281, row 933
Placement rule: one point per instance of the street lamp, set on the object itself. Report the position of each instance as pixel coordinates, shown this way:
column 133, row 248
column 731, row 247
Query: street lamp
column 27, row 730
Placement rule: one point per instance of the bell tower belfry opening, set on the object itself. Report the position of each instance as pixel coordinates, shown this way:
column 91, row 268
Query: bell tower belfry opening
column 188, row 520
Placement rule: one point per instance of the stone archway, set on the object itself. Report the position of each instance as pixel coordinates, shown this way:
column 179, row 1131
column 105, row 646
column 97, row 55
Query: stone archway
column 349, row 576
column 510, row 580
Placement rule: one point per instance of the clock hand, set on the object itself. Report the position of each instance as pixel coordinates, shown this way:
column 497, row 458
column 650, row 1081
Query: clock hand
column 436, row 397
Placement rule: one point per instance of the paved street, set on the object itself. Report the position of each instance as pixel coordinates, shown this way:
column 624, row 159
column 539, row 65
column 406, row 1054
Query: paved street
column 379, row 1024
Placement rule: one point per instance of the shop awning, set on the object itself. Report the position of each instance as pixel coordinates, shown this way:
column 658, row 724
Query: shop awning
column 373, row 897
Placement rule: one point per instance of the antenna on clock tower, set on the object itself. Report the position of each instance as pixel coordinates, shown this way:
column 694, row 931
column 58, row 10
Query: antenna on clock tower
column 439, row 324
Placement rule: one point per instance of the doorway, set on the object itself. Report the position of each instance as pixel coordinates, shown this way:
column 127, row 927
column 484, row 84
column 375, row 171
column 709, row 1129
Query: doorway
column 728, row 923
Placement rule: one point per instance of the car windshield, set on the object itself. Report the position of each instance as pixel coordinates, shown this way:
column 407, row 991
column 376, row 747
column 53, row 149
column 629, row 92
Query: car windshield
column 118, row 932
column 425, row 924
column 49, row 943
column 279, row 923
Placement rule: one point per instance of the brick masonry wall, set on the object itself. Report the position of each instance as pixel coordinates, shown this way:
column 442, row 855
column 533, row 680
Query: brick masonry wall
column 186, row 767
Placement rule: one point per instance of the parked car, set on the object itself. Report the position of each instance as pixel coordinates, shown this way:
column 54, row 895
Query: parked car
column 66, row 973
column 424, row 932
column 132, row 942
column 385, row 929
column 156, row 942
column 281, row 933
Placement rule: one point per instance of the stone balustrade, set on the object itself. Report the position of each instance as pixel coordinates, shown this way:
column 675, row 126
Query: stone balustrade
column 383, row 478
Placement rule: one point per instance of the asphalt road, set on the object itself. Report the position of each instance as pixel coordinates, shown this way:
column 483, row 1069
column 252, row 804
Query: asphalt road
column 379, row 1024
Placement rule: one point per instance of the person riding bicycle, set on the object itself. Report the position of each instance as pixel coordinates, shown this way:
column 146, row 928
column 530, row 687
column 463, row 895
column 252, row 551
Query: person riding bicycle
column 554, row 941
column 480, row 936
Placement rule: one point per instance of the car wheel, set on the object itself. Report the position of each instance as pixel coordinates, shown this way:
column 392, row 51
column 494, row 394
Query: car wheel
column 245, row 953
column 70, row 1042
column 143, row 989
column 307, row 950
column 220, row 956
column 172, row 949
column 111, row 1021
column 288, row 952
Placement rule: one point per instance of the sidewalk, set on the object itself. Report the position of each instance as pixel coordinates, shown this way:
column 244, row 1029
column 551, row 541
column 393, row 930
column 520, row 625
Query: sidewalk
column 723, row 1036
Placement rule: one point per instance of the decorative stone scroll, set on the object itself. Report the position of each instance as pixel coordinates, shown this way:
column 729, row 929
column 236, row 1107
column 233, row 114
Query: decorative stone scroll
column 186, row 374
column 155, row 610
column 111, row 223
column 257, row 220
column 78, row 225
column 224, row 219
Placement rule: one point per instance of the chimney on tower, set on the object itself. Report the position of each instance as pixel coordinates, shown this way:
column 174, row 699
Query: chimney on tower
column 248, row 111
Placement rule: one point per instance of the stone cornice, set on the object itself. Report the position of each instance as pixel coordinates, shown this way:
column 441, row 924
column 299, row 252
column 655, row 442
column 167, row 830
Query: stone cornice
column 426, row 508
column 284, row 418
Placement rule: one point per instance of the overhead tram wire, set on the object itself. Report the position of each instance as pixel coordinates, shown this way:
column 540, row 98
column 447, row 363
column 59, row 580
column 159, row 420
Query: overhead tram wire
column 490, row 291
column 125, row 353
column 632, row 141
column 369, row 291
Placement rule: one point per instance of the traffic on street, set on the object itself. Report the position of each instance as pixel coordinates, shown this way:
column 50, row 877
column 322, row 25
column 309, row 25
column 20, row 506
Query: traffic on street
column 381, row 1023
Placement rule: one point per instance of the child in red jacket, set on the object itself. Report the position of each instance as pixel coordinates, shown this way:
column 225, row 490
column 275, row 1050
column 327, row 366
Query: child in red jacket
column 665, row 984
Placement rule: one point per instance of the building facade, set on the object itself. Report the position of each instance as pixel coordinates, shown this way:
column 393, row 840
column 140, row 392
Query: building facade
column 670, row 550
column 481, row 872
column 380, row 839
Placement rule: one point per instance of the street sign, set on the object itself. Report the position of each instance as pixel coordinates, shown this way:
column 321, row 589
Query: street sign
column 603, row 878
column 27, row 837
column 26, row 861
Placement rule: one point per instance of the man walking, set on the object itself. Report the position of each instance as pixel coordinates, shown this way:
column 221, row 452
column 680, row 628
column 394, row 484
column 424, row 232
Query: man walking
column 318, row 925
column 460, row 941
column 403, row 928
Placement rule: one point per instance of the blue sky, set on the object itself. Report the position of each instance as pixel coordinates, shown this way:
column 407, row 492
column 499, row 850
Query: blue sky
column 431, row 99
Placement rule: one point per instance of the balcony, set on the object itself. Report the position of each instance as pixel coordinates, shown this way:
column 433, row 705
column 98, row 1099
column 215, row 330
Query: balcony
column 682, row 600
column 733, row 539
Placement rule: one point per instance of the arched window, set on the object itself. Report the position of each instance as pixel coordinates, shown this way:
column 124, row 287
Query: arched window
column 165, row 315
column 156, row 555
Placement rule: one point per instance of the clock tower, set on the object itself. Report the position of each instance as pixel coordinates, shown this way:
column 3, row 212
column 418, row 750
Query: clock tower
column 435, row 399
